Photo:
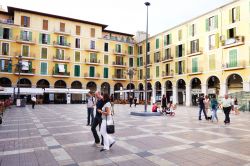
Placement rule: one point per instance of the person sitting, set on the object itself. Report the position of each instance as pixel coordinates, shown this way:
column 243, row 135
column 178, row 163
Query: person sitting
column 154, row 108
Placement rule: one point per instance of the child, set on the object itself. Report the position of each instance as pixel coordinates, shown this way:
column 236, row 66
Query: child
column 154, row 108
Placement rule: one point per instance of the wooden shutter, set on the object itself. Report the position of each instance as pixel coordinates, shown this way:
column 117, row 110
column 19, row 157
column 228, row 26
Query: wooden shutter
column 62, row 27
column 43, row 68
column 92, row 32
column 217, row 38
column 176, row 51
column 30, row 36
column 40, row 38
column 22, row 21
column 183, row 50
column 183, row 67
column 21, row 35
column 157, row 71
column 78, row 30
column 77, row 71
column 28, row 21
column 77, row 56
column 194, row 65
column 216, row 21
column 91, row 71
column 176, row 67
column 233, row 58
column 230, row 16
column 157, row 43
column 44, row 53
column 1, row 32
column 45, row 24
column 30, row 66
column 48, row 42
column 56, row 69
column 65, row 67
column 170, row 38
column 165, row 40
column 238, row 13
column 207, row 24
column 106, row 73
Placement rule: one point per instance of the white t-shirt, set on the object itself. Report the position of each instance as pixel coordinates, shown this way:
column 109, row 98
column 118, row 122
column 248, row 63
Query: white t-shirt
column 226, row 102
column 107, row 105
column 91, row 102
column 33, row 98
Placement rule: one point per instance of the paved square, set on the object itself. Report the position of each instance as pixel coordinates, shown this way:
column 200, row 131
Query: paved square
column 57, row 135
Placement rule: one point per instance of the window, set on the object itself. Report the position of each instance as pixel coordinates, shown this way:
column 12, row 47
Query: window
column 77, row 56
column 194, row 46
column 25, row 21
column 118, row 48
column 93, row 57
column 26, row 36
column 60, row 54
column 119, row 60
column 106, row 47
column 106, row 72
column 167, row 69
column 44, row 68
column 25, row 50
column 148, row 73
column 78, row 30
column 157, row 43
column 212, row 62
column 131, row 62
column 212, row 23
column 180, row 50
column 180, row 67
column 167, row 39
column 77, row 71
column 62, row 27
column 180, row 35
column 139, row 61
column 45, row 25
column 167, row 53
column 192, row 30
column 5, row 33
column 141, row 74
column 211, row 42
column 77, row 43
column 148, row 47
column 44, row 53
column 157, row 57
column 157, row 71
column 5, row 49
column 233, row 58
column 234, row 15
column 130, row 50
column 91, row 71
column 61, row 40
column 140, row 50
column 194, row 65
column 231, row 33
column 44, row 38
column 106, row 59
column 92, row 44
column 92, row 32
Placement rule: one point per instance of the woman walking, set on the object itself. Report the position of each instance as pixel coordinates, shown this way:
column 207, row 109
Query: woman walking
column 108, row 140
column 206, row 103
column 214, row 106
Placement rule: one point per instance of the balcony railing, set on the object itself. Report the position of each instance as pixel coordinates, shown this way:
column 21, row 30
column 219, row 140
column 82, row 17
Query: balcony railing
column 92, row 76
column 119, row 77
column 6, row 69
column 25, row 40
column 6, row 21
column 60, row 74
column 121, row 52
column 194, row 52
column 57, row 58
column 234, row 65
column 62, row 44
column 167, row 74
column 31, row 71
column 92, row 61
column 120, row 64
column 195, row 71
column 59, row 31
column 232, row 42
column 92, row 49
column 31, row 56
column 167, row 58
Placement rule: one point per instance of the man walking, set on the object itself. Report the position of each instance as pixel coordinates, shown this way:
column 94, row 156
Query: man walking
column 227, row 106
column 98, row 118
column 202, row 107
column 33, row 100
column 90, row 107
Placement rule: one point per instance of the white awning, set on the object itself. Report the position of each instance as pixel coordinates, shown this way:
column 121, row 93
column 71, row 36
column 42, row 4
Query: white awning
column 56, row 90
column 79, row 91
column 30, row 91
column 7, row 91
column 124, row 91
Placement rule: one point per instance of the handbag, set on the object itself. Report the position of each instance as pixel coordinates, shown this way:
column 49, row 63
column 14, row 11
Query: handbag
column 110, row 128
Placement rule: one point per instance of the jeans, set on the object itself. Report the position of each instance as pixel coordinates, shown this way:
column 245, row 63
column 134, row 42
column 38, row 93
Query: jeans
column 107, row 138
column 227, row 112
column 96, row 121
column 202, row 109
column 90, row 113
column 214, row 114
column 33, row 104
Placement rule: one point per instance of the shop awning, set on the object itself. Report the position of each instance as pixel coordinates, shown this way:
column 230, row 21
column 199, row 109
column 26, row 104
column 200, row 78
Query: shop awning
column 124, row 91
column 78, row 91
column 30, row 91
column 7, row 91
column 64, row 90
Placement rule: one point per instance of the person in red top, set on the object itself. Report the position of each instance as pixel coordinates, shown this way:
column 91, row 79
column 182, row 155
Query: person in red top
column 154, row 108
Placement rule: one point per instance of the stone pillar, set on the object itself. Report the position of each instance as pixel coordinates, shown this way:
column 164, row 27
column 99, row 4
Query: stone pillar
column 204, row 89
column 223, row 89
column 175, row 95
column 153, row 95
column 112, row 90
column 163, row 90
column 188, row 95
column 98, row 88
column 246, row 86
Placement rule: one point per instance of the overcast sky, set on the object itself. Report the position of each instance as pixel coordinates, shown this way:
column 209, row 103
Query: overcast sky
column 126, row 16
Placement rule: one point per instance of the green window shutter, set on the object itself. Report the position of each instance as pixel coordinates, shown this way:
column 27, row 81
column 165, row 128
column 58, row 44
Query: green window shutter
column 40, row 38
column 129, row 50
column 57, row 53
column 238, row 13
column 183, row 50
column 58, row 39
column 233, row 58
column 30, row 66
column 77, row 56
column 138, row 61
column 230, row 16
column 91, row 71
column 21, row 35
column 56, row 69
column 30, row 36
column 183, row 67
column 10, row 33
column 77, row 71
column 25, row 51
column 176, row 51
column 176, row 67
column 44, row 68
column 157, row 71
column 106, row 59
column 217, row 40
column 10, row 67
column 207, row 24
column 1, row 32
column 216, row 21
column 48, row 39
column 165, row 40
column 170, row 38
column 44, row 53
column 106, row 73
column 234, row 32
column 194, row 65
column 65, row 67
column 157, row 43
column 62, row 54
column 212, row 62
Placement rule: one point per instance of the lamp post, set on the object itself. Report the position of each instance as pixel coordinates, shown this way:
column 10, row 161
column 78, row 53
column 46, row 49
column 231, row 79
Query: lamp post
column 19, row 65
column 146, row 59
column 130, row 73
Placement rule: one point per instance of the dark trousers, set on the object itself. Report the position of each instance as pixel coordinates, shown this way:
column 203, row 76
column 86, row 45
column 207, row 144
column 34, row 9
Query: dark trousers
column 204, row 112
column 90, row 113
column 227, row 112
column 130, row 103
column 96, row 121
column 33, row 104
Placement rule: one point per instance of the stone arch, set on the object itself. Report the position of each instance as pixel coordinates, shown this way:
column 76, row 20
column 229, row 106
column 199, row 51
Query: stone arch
column 5, row 82
column 24, row 83
column 43, row 83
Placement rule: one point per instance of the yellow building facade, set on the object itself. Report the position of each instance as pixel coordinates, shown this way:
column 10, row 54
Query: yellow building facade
column 209, row 54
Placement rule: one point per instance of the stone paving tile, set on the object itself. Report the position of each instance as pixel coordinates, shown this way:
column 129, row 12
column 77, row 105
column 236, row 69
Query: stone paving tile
column 74, row 138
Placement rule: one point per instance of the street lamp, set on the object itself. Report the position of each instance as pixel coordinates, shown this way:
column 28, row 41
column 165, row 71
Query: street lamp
column 146, row 59
column 130, row 73
column 19, row 65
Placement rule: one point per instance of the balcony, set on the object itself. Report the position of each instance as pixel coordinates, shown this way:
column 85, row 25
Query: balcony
column 6, row 69
column 91, row 76
column 167, row 74
column 5, row 55
column 119, row 77
column 92, row 49
column 121, row 52
column 7, row 21
column 119, row 64
column 60, row 74
column 31, row 56
column 195, row 71
column 233, row 66
column 61, row 44
column 115, row 38
column 233, row 42
column 148, row 64
column 92, row 61
column 167, row 58
column 61, row 59
column 194, row 52
column 25, row 40
column 62, row 32
column 29, row 72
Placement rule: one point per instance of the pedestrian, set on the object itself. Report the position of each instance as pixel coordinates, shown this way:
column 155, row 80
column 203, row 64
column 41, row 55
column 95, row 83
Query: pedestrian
column 202, row 107
column 135, row 101
column 130, row 100
column 33, row 101
column 90, row 108
column 214, row 106
column 236, row 106
column 97, row 119
column 227, row 106
column 108, row 140
column 207, row 104
column 164, row 102
column 112, row 104
column 154, row 107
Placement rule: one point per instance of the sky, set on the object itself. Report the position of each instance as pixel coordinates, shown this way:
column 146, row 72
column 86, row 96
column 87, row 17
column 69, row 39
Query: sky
column 126, row 16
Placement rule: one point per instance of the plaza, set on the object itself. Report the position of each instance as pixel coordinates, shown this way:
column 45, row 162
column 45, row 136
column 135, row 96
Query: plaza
column 57, row 135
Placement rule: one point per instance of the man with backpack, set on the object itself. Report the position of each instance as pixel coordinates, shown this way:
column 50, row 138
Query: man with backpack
column 90, row 107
